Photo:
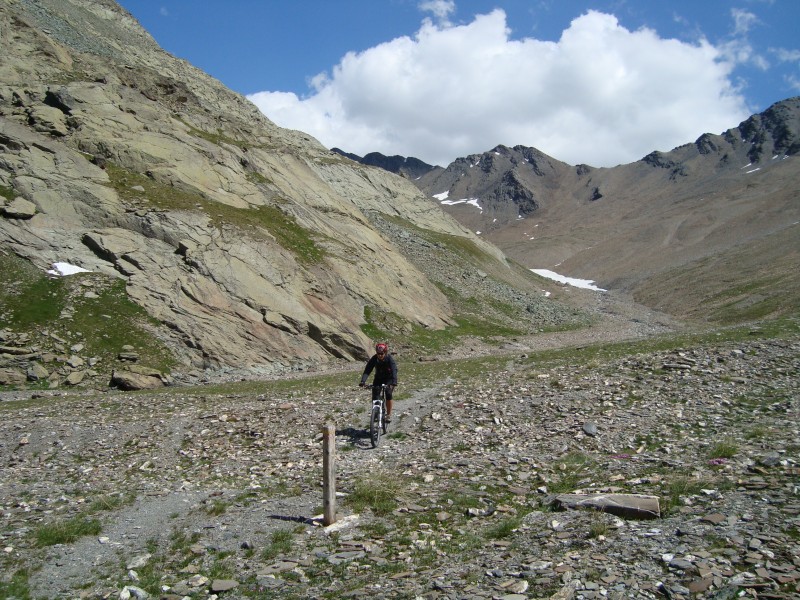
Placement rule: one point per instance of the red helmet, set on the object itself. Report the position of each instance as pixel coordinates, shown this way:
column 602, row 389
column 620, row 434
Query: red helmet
column 381, row 348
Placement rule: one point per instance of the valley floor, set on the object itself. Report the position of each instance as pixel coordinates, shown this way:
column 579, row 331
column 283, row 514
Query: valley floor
column 189, row 492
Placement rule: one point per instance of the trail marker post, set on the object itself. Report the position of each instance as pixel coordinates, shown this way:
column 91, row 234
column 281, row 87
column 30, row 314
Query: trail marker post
column 329, row 473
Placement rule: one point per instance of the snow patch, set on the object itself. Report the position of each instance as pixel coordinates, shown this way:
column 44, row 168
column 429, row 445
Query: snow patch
column 62, row 269
column 587, row 284
column 473, row 201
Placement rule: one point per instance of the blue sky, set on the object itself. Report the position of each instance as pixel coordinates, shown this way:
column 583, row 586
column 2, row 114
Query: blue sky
column 601, row 83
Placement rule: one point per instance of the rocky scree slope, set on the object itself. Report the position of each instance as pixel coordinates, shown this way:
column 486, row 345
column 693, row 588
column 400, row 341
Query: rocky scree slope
column 249, row 243
column 217, row 490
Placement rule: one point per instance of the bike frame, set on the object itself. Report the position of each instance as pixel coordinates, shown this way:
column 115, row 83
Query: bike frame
column 381, row 401
column 378, row 425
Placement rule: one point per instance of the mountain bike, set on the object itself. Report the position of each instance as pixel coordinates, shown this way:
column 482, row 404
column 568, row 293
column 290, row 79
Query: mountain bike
column 377, row 422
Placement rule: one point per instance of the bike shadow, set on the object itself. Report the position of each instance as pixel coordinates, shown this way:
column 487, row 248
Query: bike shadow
column 356, row 437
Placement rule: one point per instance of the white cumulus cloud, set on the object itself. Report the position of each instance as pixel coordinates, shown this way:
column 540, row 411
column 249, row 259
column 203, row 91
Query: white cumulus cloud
column 601, row 94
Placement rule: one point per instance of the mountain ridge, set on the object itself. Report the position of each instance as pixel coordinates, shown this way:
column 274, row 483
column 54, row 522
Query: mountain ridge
column 631, row 226
column 409, row 167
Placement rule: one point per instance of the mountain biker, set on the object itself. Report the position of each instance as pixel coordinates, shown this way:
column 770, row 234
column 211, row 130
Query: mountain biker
column 385, row 372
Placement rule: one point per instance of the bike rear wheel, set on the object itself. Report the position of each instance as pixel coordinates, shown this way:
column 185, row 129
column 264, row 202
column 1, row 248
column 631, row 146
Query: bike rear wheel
column 375, row 426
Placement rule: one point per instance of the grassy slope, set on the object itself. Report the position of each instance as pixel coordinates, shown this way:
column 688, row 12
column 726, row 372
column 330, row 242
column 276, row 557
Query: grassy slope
column 86, row 308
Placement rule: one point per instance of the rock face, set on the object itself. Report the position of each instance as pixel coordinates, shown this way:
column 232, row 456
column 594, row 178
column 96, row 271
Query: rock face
column 253, row 244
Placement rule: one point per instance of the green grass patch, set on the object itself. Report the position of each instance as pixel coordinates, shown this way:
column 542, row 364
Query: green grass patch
column 377, row 492
column 433, row 341
column 66, row 531
column 598, row 528
column 723, row 449
column 680, row 487
column 216, row 137
column 464, row 248
column 646, row 441
column 757, row 432
column 460, row 500
column 262, row 222
column 109, row 502
column 150, row 574
column 280, row 543
column 16, row 588
column 7, row 193
column 570, row 470
column 290, row 234
column 27, row 296
column 503, row 529
column 384, row 325
column 371, row 327
column 751, row 301
column 103, row 322
column 793, row 531
column 222, row 566
column 216, row 508
column 180, row 541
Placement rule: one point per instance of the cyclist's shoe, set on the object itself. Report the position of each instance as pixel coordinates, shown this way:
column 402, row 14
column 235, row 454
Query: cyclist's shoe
column 388, row 419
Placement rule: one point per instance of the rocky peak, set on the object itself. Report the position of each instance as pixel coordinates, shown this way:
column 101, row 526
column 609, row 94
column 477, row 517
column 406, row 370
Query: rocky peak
column 776, row 131
column 409, row 167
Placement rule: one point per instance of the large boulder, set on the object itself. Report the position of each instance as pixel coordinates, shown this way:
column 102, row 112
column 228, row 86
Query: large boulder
column 12, row 376
column 135, row 377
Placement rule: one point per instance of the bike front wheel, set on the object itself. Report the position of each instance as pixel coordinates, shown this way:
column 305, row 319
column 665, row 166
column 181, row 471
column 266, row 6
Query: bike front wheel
column 375, row 426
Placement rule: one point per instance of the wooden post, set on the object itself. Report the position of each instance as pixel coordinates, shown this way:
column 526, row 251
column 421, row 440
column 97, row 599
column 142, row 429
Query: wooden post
column 329, row 473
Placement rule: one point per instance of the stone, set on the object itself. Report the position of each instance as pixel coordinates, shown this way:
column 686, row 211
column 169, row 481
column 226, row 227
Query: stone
column 16, row 350
column 36, row 372
column 49, row 120
column 223, row 585
column 346, row 556
column 715, row 518
column 277, row 567
column 143, row 379
column 75, row 378
column 635, row 506
column 19, row 208
column 12, row 376
column 139, row 561
column 132, row 592
column 197, row 581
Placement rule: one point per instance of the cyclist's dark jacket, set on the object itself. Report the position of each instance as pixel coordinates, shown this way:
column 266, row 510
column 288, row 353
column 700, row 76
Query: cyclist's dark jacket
column 385, row 370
